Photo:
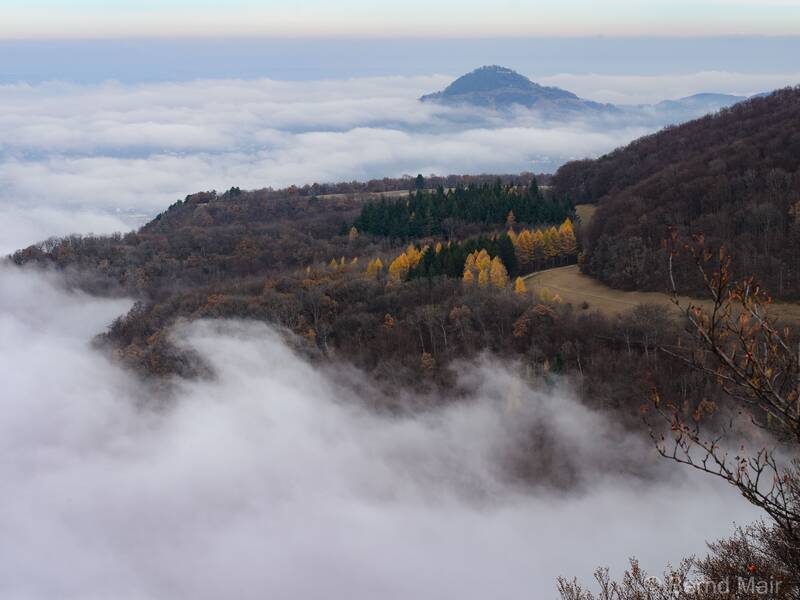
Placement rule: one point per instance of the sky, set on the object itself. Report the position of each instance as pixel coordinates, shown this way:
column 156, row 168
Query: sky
column 25, row 19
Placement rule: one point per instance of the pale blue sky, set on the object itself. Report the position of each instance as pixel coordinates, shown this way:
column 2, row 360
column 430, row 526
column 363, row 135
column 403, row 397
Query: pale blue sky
column 442, row 18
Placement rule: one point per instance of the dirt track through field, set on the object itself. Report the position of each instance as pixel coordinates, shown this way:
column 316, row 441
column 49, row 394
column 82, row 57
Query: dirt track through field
column 575, row 288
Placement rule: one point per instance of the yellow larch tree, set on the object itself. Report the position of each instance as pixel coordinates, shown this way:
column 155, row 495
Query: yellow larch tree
column 550, row 240
column 469, row 263
column 399, row 267
column 374, row 267
column 537, row 251
column 567, row 243
column 498, row 274
column 519, row 286
column 483, row 260
column 524, row 248
column 470, row 268
column 483, row 278
column 353, row 233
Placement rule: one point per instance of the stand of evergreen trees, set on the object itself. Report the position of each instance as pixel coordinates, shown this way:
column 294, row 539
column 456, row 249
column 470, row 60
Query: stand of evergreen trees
column 424, row 213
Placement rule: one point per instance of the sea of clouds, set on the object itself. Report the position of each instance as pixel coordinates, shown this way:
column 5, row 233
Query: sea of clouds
column 105, row 157
column 274, row 480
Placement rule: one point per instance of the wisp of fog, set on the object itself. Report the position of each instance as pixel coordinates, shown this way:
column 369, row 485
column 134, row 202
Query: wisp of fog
column 274, row 479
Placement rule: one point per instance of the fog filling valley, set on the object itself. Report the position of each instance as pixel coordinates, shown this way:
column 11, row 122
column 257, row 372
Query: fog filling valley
column 275, row 479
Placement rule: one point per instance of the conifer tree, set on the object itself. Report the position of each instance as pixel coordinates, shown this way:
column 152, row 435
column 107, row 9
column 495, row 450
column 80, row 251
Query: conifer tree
column 510, row 220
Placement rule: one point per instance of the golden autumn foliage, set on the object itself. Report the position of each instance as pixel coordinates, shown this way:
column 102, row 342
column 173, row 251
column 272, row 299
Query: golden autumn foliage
column 400, row 266
column 524, row 248
column 483, row 278
column 538, row 245
column 353, row 234
column 548, row 296
column 567, row 244
column 482, row 260
column 550, row 242
column 498, row 275
column 519, row 286
column 545, row 244
column 485, row 269
column 374, row 267
column 478, row 266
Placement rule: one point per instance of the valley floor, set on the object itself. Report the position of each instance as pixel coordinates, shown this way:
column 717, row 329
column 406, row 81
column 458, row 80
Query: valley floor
column 575, row 288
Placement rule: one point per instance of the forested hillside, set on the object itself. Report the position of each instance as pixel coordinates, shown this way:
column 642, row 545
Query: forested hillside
column 401, row 308
column 425, row 214
column 732, row 176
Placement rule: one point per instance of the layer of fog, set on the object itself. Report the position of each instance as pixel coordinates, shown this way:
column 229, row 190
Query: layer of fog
column 645, row 89
column 274, row 481
column 106, row 157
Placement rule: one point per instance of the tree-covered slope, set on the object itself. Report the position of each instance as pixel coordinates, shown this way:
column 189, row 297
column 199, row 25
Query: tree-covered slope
column 733, row 176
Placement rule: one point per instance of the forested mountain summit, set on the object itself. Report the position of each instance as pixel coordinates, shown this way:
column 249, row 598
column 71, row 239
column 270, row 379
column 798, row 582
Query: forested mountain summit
column 732, row 176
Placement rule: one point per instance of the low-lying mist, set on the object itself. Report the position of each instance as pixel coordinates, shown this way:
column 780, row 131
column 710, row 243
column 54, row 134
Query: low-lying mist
column 105, row 157
column 275, row 479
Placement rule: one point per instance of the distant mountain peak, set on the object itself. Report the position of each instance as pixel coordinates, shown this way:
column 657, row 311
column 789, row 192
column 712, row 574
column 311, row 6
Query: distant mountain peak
column 494, row 86
column 488, row 78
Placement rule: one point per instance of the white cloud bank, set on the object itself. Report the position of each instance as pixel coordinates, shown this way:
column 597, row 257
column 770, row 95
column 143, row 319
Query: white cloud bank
column 104, row 157
column 274, row 482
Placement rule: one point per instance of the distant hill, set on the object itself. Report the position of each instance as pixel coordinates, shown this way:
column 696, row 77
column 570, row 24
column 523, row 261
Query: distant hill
column 708, row 102
column 501, row 88
column 733, row 176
